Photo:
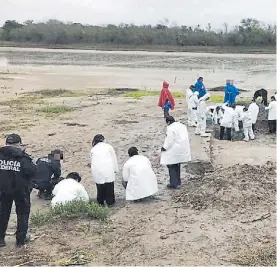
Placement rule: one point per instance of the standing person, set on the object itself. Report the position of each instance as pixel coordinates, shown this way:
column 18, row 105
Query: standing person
column 103, row 168
column 164, row 95
column 254, row 110
column 193, row 104
column 246, row 119
column 231, row 93
column 69, row 190
column 139, row 179
column 176, row 150
column 200, row 87
column 272, row 116
column 189, row 93
column 201, row 116
column 229, row 120
column 166, row 108
column 48, row 173
column 16, row 173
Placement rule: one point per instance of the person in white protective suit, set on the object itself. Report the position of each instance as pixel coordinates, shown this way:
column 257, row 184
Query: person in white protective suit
column 254, row 110
column 229, row 120
column 193, row 103
column 139, row 179
column 246, row 119
column 69, row 190
column 189, row 93
column 103, row 168
column 217, row 115
column 201, row 116
column 175, row 151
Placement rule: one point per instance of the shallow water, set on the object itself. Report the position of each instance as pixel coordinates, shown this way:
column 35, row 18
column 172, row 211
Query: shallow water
column 145, row 69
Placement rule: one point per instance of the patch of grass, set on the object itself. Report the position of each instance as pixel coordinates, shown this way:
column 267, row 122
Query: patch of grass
column 19, row 102
column 56, row 109
column 71, row 210
column 257, row 256
column 59, row 93
column 220, row 98
column 143, row 93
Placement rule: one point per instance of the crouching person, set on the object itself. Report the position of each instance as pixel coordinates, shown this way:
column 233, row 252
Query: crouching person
column 68, row 190
column 48, row 173
column 139, row 179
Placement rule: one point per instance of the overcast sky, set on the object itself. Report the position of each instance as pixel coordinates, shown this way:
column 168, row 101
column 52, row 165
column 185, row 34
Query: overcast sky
column 182, row 12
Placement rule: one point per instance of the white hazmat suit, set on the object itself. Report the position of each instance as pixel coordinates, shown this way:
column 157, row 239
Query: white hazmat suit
column 201, row 116
column 246, row 119
column 254, row 110
column 142, row 181
column 193, row 103
column 189, row 94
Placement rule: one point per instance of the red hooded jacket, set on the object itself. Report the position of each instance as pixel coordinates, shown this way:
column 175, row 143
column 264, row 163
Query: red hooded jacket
column 165, row 94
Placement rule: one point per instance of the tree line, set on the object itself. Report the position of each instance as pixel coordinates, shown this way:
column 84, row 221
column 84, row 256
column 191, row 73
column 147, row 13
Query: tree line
column 250, row 32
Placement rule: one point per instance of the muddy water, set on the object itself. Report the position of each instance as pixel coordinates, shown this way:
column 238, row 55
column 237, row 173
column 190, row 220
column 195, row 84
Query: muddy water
column 52, row 68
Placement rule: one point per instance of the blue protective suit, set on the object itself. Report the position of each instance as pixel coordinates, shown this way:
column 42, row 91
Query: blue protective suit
column 200, row 87
column 230, row 93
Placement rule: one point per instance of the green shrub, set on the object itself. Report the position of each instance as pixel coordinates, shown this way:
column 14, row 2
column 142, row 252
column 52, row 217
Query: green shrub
column 70, row 210
column 56, row 109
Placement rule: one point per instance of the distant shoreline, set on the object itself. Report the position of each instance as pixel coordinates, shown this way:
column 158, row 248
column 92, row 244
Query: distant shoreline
column 152, row 48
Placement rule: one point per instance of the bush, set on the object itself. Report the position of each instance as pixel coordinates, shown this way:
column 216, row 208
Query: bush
column 56, row 109
column 73, row 209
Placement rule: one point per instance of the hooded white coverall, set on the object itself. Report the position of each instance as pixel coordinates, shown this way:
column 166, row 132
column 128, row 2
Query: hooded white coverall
column 193, row 103
column 189, row 94
column 254, row 109
column 201, row 116
column 246, row 119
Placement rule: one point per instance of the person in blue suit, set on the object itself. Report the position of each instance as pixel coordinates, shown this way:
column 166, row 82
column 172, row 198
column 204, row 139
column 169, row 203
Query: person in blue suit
column 230, row 93
column 200, row 87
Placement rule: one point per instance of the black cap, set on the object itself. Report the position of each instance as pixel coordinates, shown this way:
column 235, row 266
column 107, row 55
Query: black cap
column 169, row 119
column 13, row 139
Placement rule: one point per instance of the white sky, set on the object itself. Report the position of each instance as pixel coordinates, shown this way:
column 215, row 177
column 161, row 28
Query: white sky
column 182, row 12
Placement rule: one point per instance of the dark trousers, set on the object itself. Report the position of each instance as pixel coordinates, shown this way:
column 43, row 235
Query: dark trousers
column 22, row 208
column 253, row 126
column 272, row 126
column 166, row 113
column 105, row 192
column 174, row 175
column 228, row 131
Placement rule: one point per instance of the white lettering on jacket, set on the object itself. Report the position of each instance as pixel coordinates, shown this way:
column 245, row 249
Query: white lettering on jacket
column 10, row 165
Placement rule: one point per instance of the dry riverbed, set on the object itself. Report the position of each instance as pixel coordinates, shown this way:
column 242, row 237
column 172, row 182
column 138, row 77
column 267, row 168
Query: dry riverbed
column 222, row 217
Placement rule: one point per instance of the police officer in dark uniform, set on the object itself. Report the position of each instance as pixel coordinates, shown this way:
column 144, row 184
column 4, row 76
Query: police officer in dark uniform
column 48, row 173
column 16, row 173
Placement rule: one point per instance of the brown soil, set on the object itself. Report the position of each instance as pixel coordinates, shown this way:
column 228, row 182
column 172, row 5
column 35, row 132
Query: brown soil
column 205, row 227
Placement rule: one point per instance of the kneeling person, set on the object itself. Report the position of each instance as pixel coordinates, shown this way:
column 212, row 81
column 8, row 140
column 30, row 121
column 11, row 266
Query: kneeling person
column 48, row 173
column 68, row 190
column 139, row 179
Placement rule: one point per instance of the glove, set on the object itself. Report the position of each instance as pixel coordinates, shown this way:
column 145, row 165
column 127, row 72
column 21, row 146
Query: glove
column 237, row 129
column 163, row 149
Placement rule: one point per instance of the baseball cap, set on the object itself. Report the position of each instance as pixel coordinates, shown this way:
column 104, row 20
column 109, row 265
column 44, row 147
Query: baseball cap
column 13, row 139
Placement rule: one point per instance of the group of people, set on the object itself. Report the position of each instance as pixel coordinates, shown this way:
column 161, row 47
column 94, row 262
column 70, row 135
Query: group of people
column 20, row 174
column 228, row 115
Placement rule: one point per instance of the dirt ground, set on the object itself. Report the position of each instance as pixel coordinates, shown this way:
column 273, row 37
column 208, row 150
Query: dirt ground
column 163, row 231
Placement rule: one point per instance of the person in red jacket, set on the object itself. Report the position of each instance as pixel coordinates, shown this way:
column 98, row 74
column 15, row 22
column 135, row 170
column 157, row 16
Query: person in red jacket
column 166, row 95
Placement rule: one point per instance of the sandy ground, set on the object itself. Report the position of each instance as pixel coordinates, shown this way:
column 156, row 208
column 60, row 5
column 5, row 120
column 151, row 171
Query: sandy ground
column 161, row 231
